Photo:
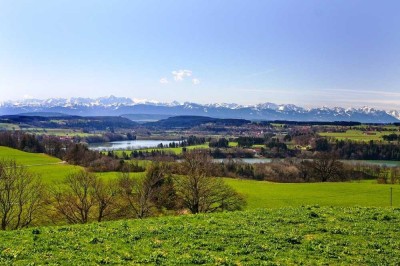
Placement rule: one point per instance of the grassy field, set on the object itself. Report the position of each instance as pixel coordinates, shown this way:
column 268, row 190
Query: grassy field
column 284, row 224
column 7, row 126
column 259, row 194
column 61, row 132
column 357, row 135
column 49, row 168
column 232, row 144
column 288, row 236
column 262, row 194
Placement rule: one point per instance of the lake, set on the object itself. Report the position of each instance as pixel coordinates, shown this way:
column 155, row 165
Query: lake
column 128, row 144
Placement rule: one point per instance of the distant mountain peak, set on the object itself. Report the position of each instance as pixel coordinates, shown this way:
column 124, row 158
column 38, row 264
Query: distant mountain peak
column 113, row 105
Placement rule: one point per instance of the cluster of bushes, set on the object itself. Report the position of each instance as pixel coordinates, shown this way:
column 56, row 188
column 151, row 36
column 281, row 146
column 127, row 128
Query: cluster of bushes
column 193, row 140
column 387, row 175
column 219, row 143
column 250, row 141
column 233, row 152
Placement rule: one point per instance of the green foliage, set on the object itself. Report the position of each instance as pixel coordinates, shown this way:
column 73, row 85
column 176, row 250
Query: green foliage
column 290, row 236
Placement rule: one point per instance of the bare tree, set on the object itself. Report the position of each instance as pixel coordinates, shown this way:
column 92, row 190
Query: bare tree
column 76, row 197
column 325, row 167
column 201, row 193
column 151, row 192
column 105, row 194
column 21, row 196
column 137, row 194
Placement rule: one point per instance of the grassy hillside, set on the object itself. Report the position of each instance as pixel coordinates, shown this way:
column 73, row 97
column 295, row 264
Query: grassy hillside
column 49, row 168
column 288, row 236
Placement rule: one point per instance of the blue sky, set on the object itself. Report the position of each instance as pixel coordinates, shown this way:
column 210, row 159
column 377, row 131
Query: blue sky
column 310, row 53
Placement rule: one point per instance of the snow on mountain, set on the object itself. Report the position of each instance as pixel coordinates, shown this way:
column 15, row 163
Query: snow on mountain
column 394, row 113
column 224, row 105
column 113, row 105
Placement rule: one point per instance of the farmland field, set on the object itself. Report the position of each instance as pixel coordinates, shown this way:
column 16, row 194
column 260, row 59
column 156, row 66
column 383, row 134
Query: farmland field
column 357, row 135
column 262, row 194
column 60, row 132
column 308, row 235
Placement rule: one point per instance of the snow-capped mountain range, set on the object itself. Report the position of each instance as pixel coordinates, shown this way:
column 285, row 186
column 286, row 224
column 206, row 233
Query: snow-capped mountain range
column 112, row 106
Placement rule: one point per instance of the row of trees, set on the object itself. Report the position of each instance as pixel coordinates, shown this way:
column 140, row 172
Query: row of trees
column 325, row 167
column 391, row 137
column 347, row 149
column 84, row 197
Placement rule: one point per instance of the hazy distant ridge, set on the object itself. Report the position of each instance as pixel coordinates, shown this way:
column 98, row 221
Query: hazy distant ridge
column 112, row 106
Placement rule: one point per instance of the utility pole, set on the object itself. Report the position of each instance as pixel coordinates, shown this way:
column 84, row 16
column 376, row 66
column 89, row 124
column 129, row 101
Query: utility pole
column 391, row 197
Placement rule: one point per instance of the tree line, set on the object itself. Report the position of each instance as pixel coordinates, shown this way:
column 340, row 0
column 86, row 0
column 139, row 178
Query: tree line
column 352, row 150
column 323, row 168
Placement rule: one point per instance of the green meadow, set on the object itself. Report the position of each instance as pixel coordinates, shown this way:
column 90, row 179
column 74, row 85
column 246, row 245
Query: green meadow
column 358, row 135
column 49, row 168
column 258, row 194
column 284, row 224
column 263, row 194
column 309, row 235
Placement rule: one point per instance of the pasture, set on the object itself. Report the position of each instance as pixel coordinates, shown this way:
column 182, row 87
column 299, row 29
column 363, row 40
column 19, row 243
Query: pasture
column 357, row 135
column 263, row 194
column 309, row 235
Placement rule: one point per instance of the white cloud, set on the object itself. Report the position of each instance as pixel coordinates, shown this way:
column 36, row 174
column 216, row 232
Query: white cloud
column 195, row 81
column 164, row 81
column 27, row 96
column 179, row 75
